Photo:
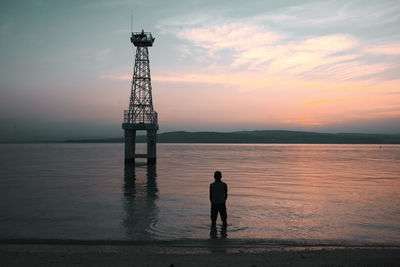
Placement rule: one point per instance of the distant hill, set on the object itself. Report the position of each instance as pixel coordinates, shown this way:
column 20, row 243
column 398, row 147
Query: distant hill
column 261, row 137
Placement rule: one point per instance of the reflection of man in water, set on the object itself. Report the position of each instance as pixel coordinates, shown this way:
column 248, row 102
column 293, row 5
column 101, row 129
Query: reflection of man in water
column 218, row 196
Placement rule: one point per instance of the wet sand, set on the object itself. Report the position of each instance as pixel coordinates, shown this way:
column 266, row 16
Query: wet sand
column 212, row 254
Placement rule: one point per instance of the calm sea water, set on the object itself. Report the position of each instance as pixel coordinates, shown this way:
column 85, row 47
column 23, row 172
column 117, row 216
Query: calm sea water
column 334, row 193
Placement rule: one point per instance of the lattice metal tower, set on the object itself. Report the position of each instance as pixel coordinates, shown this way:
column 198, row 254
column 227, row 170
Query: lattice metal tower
column 140, row 115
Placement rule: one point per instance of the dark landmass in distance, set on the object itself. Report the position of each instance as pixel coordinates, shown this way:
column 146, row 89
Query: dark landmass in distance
column 260, row 137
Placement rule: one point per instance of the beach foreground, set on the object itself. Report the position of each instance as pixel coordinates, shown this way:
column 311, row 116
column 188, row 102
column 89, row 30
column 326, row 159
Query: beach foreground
column 151, row 255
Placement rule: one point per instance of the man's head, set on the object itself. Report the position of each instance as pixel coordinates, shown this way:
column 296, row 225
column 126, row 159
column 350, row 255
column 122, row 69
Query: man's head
column 217, row 176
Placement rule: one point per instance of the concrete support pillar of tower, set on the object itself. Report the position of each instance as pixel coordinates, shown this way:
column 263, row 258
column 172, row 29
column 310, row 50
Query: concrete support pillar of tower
column 151, row 146
column 130, row 145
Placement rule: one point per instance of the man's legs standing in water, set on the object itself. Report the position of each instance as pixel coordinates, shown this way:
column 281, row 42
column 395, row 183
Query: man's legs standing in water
column 221, row 209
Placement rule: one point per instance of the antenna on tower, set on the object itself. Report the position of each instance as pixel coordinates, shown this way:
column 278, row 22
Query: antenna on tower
column 131, row 21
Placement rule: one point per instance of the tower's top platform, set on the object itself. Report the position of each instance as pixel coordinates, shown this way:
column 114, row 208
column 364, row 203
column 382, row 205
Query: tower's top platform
column 142, row 38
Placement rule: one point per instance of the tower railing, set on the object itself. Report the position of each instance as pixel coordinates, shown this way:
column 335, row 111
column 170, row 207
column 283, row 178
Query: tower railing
column 131, row 118
column 142, row 39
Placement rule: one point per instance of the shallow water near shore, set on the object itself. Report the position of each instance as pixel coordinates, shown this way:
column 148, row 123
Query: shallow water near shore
column 278, row 193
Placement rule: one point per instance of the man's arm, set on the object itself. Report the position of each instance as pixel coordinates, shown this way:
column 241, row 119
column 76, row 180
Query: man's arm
column 210, row 193
column 226, row 191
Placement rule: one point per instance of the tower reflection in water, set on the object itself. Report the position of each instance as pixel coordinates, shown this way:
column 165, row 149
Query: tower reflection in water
column 140, row 195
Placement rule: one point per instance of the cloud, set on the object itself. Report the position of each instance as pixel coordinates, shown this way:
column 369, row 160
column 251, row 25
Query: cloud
column 315, row 14
column 254, row 47
column 247, row 43
column 296, row 57
column 328, row 14
column 390, row 49
column 235, row 36
column 342, row 71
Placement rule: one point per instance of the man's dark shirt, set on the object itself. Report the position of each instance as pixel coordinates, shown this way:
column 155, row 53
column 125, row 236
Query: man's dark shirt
column 218, row 192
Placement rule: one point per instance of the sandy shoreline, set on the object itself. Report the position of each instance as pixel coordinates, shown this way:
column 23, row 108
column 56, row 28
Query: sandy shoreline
column 215, row 253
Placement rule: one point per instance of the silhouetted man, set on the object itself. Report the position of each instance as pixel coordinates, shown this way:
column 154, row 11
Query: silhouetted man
column 218, row 196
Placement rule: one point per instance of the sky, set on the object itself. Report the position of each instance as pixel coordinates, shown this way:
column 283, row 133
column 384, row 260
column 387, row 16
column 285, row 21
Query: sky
column 327, row 66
